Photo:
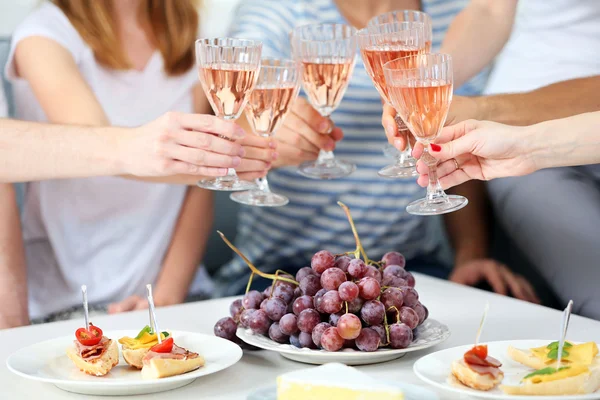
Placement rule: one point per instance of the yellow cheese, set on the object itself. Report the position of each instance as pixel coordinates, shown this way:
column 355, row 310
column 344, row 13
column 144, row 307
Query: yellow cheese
column 146, row 341
column 567, row 372
column 583, row 354
column 333, row 382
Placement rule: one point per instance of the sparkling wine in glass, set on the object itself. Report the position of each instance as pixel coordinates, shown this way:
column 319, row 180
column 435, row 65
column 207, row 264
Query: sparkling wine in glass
column 228, row 69
column 382, row 43
column 420, row 88
column 276, row 89
column 327, row 53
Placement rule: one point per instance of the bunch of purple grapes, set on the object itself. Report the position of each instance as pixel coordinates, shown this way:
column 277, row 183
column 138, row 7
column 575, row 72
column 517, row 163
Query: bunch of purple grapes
column 339, row 302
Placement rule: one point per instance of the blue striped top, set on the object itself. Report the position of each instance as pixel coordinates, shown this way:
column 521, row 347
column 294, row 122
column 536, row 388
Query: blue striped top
column 286, row 237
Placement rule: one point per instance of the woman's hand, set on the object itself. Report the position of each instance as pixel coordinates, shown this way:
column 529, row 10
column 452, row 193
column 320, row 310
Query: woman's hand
column 478, row 150
column 303, row 134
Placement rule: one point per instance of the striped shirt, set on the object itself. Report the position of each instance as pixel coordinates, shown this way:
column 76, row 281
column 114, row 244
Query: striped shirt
column 287, row 237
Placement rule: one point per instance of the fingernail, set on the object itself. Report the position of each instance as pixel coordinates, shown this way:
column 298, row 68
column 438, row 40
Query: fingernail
column 398, row 143
column 236, row 161
column 273, row 144
column 325, row 127
column 329, row 145
column 390, row 129
column 242, row 152
column 274, row 155
column 435, row 147
column 239, row 132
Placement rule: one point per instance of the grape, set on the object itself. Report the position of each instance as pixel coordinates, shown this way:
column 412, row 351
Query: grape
column 394, row 270
column 305, row 340
column 310, row 285
column 342, row 263
column 226, row 328
column 297, row 292
column 410, row 279
column 393, row 258
column 368, row 340
column 374, row 273
column 295, row 340
column 288, row 324
column 275, row 308
column 331, row 302
column 357, row 268
column 318, row 332
column 372, row 312
column 276, row 335
column 308, row 319
column 401, row 336
column 349, row 326
column 252, row 299
column 420, row 310
column 235, row 309
column 392, row 297
column 348, row 291
column 245, row 318
column 334, row 318
column 393, row 281
column 321, row 261
column 368, row 288
column 426, row 312
column 304, row 272
column 332, row 278
column 355, row 305
column 263, row 304
column 284, row 291
column 410, row 296
column 290, row 308
column 381, row 331
column 259, row 322
column 302, row 303
column 318, row 299
column 331, row 340
column 267, row 292
column 409, row 317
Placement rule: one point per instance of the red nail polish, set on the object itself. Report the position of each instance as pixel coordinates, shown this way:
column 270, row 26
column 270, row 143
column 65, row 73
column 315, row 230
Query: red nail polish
column 435, row 147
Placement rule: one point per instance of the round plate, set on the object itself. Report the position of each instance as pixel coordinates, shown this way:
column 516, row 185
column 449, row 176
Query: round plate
column 411, row 392
column 47, row 362
column 435, row 369
column 430, row 333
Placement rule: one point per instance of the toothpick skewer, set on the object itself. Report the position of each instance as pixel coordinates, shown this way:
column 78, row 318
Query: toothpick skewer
column 483, row 318
column 85, row 306
column 152, row 313
column 563, row 332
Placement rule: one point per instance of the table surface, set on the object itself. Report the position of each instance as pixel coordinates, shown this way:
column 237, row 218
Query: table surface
column 459, row 307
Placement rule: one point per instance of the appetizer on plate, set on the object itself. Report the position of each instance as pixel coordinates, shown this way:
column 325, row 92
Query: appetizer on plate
column 547, row 356
column 477, row 369
column 134, row 349
column 93, row 353
column 167, row 359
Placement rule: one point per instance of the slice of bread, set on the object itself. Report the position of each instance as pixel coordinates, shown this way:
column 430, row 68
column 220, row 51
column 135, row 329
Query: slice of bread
column 585, row 383
column 526, row 357
column 99, row 366
column 472, row 379
column 163, row 367
column 134, row 357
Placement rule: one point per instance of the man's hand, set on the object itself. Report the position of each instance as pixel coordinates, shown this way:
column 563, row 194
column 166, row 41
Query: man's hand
column 131, row 303
column 500, row 278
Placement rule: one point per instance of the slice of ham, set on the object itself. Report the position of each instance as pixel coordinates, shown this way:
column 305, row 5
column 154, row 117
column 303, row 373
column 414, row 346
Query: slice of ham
column 96, row 351
column 472, row 359
column 485, row 370
column 177, row 353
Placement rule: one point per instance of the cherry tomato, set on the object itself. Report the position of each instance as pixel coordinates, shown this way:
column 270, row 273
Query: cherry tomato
column 480, row 352
column 90, row 336
column 165, row 347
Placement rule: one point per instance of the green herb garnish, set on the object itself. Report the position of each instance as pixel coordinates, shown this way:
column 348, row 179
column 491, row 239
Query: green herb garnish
column 165, row 334
column 145, row 329
column 554, row 345
column 553, row 354
column 544, row 371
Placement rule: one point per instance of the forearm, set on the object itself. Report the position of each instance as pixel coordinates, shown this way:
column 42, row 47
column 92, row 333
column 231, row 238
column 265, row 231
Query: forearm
column 13, row 285
column 477, row 35
column 559, row 100
column 188, row 245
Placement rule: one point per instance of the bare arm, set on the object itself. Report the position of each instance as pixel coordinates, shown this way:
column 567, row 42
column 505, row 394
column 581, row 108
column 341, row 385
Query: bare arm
column 477, row 35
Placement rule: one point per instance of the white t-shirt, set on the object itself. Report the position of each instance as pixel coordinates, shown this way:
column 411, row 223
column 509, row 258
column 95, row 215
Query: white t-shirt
column 108, row 233
column 552, row 41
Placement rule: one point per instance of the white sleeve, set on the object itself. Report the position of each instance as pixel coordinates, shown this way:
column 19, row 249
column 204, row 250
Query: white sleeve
column 50, row 22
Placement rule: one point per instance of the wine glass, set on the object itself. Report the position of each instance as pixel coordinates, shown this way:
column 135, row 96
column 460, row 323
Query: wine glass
column 276, row 89
column 382, row 43
column 420, row 88
column 327, row 53
column 228, row 69
column 406, row 16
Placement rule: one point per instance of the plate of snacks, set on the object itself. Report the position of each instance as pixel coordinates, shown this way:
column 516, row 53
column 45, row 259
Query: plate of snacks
column 344, row 308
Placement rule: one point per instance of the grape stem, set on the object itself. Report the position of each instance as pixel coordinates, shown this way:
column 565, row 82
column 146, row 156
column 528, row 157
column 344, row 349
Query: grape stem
column 346, row 303
column 249, row 282
column 386, row 326
column 252, row 267
column 360, row 250
column 397, row 312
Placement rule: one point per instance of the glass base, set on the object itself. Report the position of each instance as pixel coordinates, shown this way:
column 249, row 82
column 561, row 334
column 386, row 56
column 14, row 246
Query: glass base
column 226, row 185
column 442, row 206
column 405, row 169
column 259, row 198
column 331, row 169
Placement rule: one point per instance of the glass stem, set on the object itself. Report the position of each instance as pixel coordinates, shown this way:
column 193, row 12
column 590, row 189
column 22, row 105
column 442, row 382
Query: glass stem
column 325, row 157
column 263, row 185
column 403, row 130
column 435, row 194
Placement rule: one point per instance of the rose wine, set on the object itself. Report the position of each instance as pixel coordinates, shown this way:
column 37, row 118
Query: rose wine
column 375, row 56
column 227, row 88
column 268, row 106
column 326, row 83
column 423, row 106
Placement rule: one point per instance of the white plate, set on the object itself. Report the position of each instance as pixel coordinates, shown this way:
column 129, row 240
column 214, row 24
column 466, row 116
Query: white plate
column 411, row 392
column 430, row 333
column 435, row 369
column 48, row 362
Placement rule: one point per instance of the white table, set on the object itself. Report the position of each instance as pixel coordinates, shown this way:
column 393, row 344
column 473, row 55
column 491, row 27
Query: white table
column 457, row 306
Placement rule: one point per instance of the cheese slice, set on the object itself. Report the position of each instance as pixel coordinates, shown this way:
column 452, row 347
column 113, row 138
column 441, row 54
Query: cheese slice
column 333, row 382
